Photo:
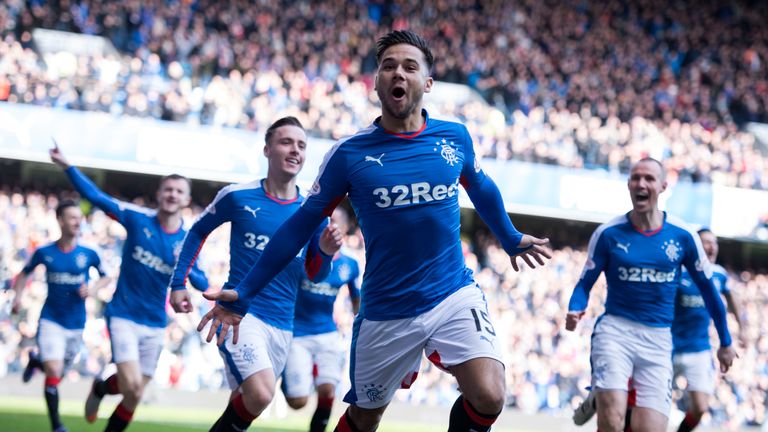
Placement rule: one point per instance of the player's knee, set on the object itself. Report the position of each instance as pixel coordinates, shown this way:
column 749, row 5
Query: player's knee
column 297, row 402
column 487, row 401
column 257, row 400
column 133, row 390
column 326, row 391
column 610, row 420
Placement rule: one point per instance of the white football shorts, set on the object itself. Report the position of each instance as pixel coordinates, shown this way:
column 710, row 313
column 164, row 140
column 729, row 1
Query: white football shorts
column 136, row 342
column 260, row 346
column 57, row 342
column 698, row 368
column 313, row 360
column 386, row 355
column 624, row 349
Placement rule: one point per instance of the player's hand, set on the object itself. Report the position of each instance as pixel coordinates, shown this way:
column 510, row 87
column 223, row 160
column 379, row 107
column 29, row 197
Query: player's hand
column 180, row 301
column 571, row 319
column 83, row 291
column 331, row 239
column 538, row 251
column 57, row 156
column 726, row 356
column 221, row 317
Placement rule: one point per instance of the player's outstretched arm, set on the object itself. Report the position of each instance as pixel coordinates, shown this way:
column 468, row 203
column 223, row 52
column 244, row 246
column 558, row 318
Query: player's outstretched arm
column 87, row 188
column 596, row 258
column 57, row 157
column 221, row 318
column 486, row 197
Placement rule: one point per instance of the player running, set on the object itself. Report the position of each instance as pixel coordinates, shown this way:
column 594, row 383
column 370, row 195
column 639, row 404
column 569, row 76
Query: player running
column 136, row 316
column 62, row 320
column 402, row 175
column 642, row 254
column 690, row 335
column 316, row 358
column 255, row 211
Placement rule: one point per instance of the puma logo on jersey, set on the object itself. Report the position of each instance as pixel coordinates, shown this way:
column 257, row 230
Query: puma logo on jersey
column 251, row 211
column 373, row 159
column 482, row 337
column 624, row 247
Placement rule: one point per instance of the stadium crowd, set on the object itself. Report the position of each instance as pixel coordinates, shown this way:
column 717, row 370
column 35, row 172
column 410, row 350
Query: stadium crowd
column 547, row 368
column 585, row 85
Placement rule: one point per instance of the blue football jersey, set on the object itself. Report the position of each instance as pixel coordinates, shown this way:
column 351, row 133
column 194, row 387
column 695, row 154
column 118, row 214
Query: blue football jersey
column 66, row 272
column 255, row 216
column 643, row 269
column 404, row 189
column 149, row 254
column 690, row 328
column 314, row 302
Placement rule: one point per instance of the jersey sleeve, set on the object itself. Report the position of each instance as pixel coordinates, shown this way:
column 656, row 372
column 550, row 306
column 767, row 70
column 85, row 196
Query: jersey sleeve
column 317, row 265
column 352, row 286
column 486, row 197
column 597, row 258
column 114, row 208
column 218, row 212
column 34, row 261
column 198, row 278
column 700, row 269
column 331, row 185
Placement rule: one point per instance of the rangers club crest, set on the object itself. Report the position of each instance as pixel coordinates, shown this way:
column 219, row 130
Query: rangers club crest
column 447, row 151
column 81, row 260
column 375, row 393
column 672, row 249
column 249, row 354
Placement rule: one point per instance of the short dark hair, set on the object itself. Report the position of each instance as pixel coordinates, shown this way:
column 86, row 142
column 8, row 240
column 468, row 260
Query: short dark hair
column 285, row 121
column 65, row 204
column 404, row 37
column 704, row 229
column 176, row 177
